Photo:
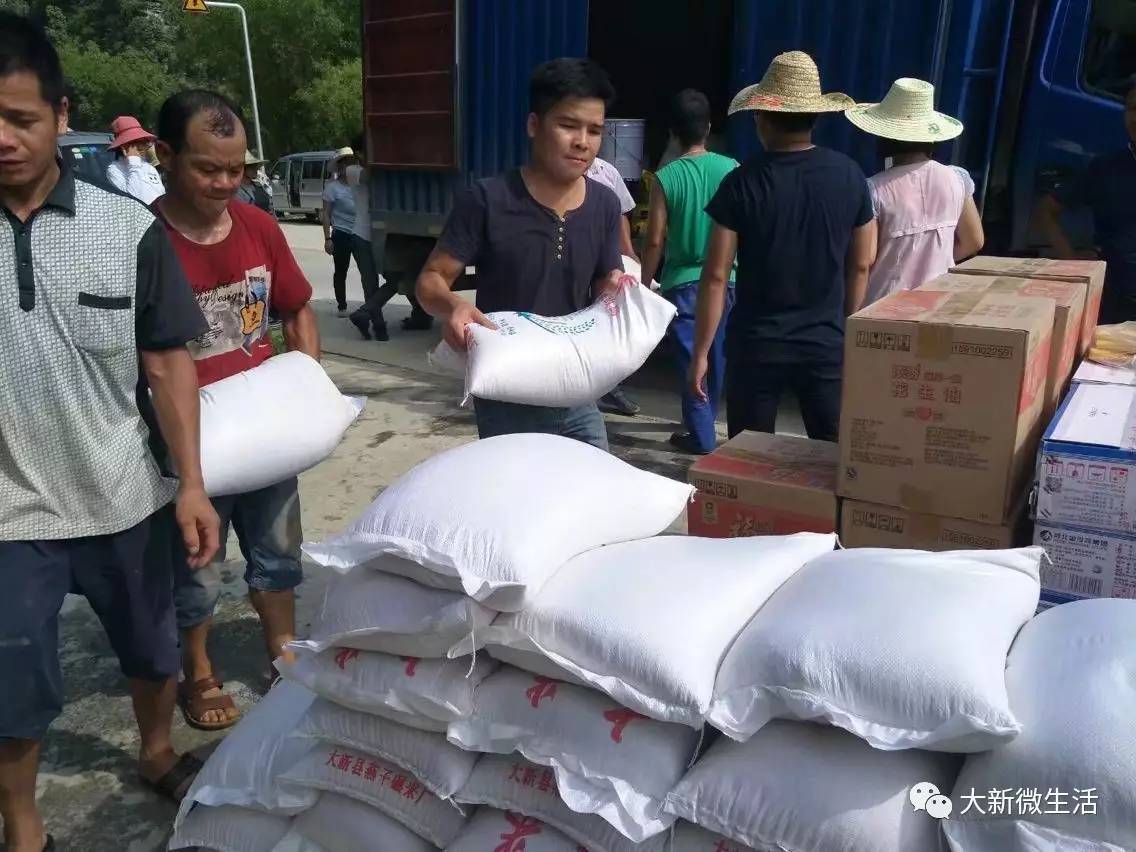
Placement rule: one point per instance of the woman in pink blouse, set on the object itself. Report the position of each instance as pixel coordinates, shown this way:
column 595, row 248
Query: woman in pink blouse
column 925, row 214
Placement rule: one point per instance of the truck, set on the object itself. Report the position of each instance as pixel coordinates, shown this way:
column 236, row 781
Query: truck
column 1039, row 85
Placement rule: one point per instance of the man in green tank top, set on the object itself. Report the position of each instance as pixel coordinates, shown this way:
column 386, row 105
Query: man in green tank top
column 678, row 222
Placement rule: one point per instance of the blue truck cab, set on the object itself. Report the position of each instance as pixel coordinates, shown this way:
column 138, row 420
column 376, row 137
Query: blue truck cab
column 1039, row 85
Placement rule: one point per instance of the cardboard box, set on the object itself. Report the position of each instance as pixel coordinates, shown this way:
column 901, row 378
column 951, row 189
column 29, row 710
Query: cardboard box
column 942, row 398
column 758, row 484
column 1088, row 272
column 1087, row 464
column 871, row 525
column 1086, row 563
column 1089, row 372
column 1069, row 299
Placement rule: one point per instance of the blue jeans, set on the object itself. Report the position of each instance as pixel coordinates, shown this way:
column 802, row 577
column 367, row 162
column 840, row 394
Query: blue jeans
column 584, row 423
column 267, row 523
column 698, row 416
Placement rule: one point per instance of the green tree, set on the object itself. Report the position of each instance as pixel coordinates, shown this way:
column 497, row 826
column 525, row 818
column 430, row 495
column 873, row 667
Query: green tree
column 293, row 43
column 126, row 56
column 111, row 84
column 331, row 107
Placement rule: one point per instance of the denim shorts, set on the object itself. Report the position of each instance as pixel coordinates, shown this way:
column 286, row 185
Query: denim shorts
column 267, row 524
column 127, row 579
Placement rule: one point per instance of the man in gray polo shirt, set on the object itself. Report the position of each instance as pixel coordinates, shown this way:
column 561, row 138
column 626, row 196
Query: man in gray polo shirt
column 90, row 290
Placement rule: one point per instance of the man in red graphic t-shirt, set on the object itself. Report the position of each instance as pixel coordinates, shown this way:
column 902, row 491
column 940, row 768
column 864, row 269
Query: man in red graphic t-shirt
column 239, row 266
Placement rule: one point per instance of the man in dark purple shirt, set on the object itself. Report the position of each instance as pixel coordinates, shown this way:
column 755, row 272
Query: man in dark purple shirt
column 544, row 239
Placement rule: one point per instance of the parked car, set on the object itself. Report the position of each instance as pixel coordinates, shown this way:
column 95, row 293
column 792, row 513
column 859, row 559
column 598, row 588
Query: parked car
column 88, row 154
column 297, row 183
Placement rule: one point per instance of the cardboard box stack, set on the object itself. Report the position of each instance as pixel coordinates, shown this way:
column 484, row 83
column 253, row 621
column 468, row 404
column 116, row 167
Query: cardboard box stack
column 758, row 484
column 1086, row 501
column 943, row 397
column 872, row 525
column 1087, row 272
column 1069, row 300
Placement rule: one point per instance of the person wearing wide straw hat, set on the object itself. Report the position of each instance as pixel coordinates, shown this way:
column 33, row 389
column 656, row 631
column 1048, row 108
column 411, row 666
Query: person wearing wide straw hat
column 131, row 171
column 250, row 190
column 925, row 216
column 799, row 219
column 338, row 217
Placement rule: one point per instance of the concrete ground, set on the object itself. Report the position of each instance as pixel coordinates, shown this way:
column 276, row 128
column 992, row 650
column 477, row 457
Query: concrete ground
column 87, row 784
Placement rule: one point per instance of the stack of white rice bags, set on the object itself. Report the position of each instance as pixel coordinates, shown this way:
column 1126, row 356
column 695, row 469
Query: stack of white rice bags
column 515, row 659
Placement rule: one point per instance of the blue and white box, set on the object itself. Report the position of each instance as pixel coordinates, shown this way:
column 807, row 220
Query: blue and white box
column 1085, row 563
column 1086, row 469
column 1101, row 374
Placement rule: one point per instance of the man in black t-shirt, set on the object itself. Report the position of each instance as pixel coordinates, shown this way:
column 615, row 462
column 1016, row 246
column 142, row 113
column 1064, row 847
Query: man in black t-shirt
column 544, row 238
column 799, row 219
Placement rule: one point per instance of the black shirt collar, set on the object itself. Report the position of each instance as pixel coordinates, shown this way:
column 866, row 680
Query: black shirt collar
column 62, row 195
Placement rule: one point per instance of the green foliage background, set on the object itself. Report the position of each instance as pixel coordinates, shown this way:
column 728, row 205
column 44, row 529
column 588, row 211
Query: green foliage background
column 124, row 57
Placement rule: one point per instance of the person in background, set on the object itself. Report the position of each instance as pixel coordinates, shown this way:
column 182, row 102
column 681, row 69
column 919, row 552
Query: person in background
column 925, row 215
column 239, row 267
column 368, row 318
column 1108, row 190
column 94, row 297
column 604, row 172
column 677, row 219
column 338, row 217
column 601, row 171
column 544, row 239
column 798, row 218
column 131, row 172
column 251, row 190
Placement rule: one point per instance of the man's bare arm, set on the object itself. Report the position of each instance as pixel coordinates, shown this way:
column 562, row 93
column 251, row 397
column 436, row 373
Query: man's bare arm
column 173, row 384
column 1049, row 219
column 969, row 235
column 434, row 290
column 721, row 249
column 656, row 234
column 857, row 266
column 625, row 244
column 301, row 331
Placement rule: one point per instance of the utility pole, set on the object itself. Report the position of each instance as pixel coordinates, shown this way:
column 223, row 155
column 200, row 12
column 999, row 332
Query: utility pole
column 206, row 5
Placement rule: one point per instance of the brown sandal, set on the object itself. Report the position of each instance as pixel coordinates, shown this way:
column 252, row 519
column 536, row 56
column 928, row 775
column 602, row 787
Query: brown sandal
column 194, row 705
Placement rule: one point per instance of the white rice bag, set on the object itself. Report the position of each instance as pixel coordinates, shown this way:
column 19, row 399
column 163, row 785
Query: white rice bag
column 904, row 648
column 514, row 784
column 608, row 760
column 649, row 621
column 374, row 611
column 561, row 361
column 382, row 785
column 290, row 404
column 1068, row 781
column 440, row 766
column 425, row 694
column 503, row 514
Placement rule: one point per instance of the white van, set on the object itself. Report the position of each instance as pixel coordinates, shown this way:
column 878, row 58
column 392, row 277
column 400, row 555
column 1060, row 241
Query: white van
column 297, row 182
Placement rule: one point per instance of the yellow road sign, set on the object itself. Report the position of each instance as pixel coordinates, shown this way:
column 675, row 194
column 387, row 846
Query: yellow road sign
column 194, row 6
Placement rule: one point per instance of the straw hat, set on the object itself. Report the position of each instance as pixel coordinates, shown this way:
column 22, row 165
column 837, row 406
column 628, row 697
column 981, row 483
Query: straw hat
column 252, row 159
column 127, row 129
column 791, row 84
column 343, row 152
column 906, row 114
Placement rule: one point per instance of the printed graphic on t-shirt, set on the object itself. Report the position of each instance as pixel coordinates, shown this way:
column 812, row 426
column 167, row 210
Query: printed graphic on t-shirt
column 237, row 314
